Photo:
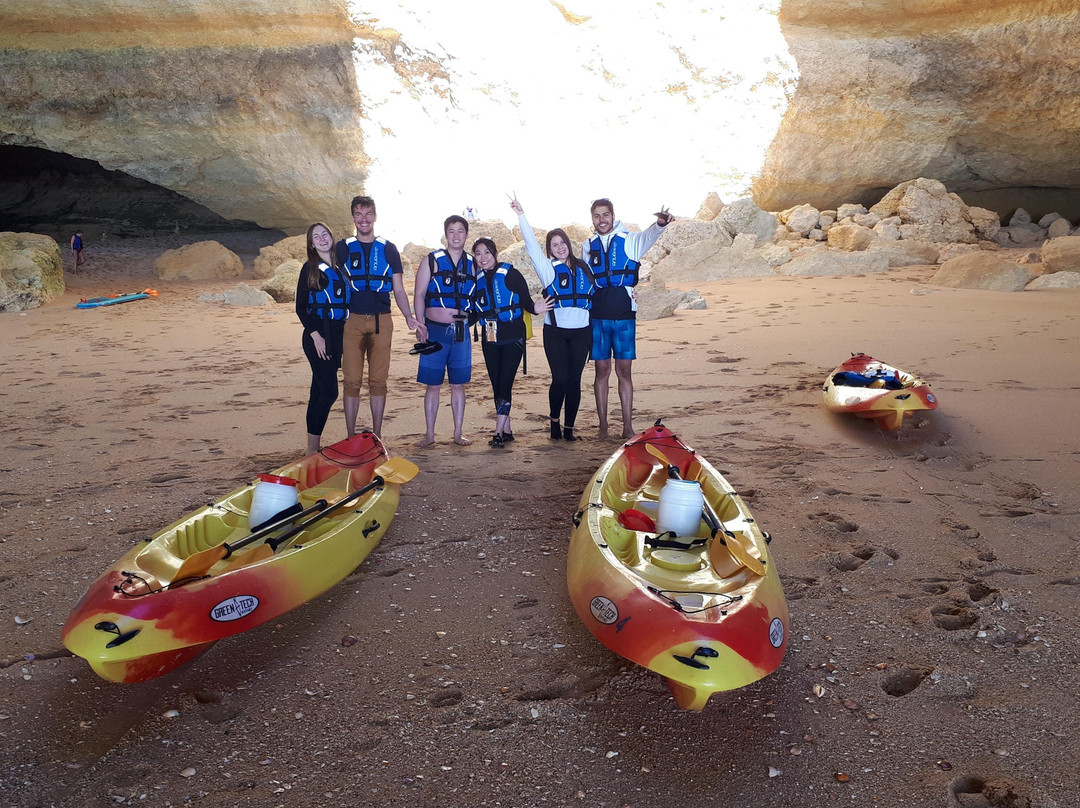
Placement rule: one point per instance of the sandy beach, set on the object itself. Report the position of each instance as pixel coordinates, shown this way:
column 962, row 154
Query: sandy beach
column 932, row 575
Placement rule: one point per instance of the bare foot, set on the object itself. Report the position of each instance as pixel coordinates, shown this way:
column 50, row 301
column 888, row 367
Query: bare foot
column 628, row 432
column 460, row 441
column 425, row 443
column 601, row 433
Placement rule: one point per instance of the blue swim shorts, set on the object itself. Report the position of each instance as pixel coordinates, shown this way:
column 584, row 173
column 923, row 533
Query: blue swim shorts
column 618, row 337
column 454, row 360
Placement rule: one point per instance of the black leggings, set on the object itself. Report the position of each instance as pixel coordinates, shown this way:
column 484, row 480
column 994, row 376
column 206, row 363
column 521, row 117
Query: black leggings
column 567, row 352
column 324, row 375
column 503, row 360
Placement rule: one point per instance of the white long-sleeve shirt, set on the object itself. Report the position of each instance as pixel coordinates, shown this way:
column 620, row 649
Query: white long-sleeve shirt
column 637, row 244
column 569, row 316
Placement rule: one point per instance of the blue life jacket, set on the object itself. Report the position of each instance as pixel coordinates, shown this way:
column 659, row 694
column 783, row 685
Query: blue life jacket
column 331, row 303
column 376, row 275
column 76, row 243
column 494, row 300
column 451, row 287
column 571, row 287
column 613, row 268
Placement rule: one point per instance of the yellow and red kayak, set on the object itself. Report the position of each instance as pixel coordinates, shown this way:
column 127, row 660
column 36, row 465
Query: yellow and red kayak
column 868, row 388
column 175, row 594
column 706, row 612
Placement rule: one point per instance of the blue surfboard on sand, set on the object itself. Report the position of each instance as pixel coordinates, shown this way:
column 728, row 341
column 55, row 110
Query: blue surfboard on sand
column 109, row 300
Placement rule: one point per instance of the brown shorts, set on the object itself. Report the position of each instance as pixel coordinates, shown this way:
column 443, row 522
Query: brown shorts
column 362, row 343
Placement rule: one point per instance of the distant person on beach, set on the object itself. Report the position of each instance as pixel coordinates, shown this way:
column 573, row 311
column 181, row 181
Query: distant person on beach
column 443, row 301
column 372, row 266
column 76, row 251
column 568, row 282
column 502, row 298
column 613, row 255
column 322, row 304
column 470, row 214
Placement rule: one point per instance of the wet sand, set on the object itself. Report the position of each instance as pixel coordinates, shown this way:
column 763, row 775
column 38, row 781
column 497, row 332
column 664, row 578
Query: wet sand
column 932, row 574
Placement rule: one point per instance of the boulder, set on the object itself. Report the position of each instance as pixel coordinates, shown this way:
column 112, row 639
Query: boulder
column 801, row 219
column 1057, row 228
column 849, row 210
column 710, row 208
column 683, row 233
column 203, row 260
column 1049, row 219
column 241, row 295
column 413, row 254
column 941, row 233
column 274, row 255
column 656, row 301
column 824, row 261
column 1061, row 254
column 494, row 229
column 850, row 237
column 1021, row 233
column 743, row 216
column 1020, row 216
column 282, row 284
column 906, row 253
column 982, row 270
column 888, row 229
column 31, row 271
column 986, row 222
column 1055, row 280
column 710, row 260
column 949, row 251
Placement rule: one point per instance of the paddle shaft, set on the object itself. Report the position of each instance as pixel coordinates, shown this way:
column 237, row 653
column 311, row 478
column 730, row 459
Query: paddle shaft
column 341, row 503
column 263, row 532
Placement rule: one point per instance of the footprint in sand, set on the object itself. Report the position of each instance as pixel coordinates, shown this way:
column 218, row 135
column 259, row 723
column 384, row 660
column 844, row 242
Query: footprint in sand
column 999, row 792
column 904, row 680
column 953, row 617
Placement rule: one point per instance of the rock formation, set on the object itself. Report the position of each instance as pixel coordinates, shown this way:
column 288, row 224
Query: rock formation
column 31, row 271
column 979, row 94
column 203, row 260
column 249, row 109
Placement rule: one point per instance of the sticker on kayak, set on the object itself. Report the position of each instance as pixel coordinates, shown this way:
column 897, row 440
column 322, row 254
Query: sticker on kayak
column 234, row 608
column 776, row 632
column 604, row 610
column 930, row 398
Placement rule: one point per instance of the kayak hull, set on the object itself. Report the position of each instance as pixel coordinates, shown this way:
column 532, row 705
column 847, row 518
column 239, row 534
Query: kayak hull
column 887, row 408
column 97, row 302
column 699, row 617
column 137, row 622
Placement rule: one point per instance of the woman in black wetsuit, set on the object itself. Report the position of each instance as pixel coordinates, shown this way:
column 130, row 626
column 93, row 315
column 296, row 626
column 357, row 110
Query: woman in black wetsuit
column 502, row 295
column 322, row 304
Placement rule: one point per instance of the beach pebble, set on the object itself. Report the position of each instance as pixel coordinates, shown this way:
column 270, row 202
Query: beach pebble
column 22, row 621
column 841, row 777
column 188, row 772
column 348, row 640
column 774, row 772
column 171, row 714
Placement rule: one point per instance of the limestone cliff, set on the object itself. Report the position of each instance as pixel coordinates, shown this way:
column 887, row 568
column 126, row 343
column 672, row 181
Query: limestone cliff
column 249, row 108
column 981, row 94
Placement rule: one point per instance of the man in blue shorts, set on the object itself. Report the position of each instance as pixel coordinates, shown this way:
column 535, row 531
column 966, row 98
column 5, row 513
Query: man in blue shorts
column 442, row 301
column 613, row 254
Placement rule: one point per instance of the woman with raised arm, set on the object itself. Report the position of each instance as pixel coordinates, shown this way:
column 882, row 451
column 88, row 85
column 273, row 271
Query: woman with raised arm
column 502, row 297
column 568, row 284
column 322, row 304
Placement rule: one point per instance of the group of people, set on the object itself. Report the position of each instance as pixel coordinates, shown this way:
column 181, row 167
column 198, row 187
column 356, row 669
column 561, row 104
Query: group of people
column 588, row 305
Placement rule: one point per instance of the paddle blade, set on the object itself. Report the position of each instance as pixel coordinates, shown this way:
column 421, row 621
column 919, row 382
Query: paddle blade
column 739, row 545
column 198, row 564
column 151, row 292
column 397, row 470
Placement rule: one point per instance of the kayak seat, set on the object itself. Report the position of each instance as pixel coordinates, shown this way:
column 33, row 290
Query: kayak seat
column 622, row 542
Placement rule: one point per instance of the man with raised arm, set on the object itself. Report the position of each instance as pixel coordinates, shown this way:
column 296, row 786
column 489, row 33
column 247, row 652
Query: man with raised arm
column 372, row 266
column 613, row 254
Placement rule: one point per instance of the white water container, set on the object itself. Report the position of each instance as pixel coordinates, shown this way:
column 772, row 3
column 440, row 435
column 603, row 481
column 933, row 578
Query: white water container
column 681, row 502
column 271, row 496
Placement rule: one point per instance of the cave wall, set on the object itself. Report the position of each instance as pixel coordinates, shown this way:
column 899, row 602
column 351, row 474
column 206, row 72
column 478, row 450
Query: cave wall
column 250, row 109
column 983, row 95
